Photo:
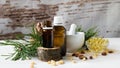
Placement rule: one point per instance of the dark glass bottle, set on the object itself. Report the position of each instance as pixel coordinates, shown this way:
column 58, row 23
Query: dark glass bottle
column 47, row 35
column 59, row 34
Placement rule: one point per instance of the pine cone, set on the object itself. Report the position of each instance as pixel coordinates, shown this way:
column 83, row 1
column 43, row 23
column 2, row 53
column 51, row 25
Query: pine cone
column 39, row 28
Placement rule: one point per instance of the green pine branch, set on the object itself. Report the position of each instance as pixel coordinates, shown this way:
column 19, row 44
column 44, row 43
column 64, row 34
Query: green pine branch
column 91, row 32
column 26, row 50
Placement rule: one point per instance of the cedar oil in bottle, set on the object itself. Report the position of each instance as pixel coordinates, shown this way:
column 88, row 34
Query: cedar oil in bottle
column 59, row 34
column 47, row 35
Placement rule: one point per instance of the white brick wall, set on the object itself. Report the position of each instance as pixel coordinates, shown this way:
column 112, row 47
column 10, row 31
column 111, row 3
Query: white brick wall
column 102, row 13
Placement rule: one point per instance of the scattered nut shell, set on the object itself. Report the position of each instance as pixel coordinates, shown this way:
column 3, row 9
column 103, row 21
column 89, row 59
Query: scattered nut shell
column 53, row 64
column 49, row 62
column 73, row 54
column 81, row 56
column 61, row 62
column 77, row 54
column 52, row 61
column 57, row 63
column 110, row 51
column 104, row 53
column 91, row 57
column 73, row 61
column 82, row 52
column 84, row 59
column 32, row 65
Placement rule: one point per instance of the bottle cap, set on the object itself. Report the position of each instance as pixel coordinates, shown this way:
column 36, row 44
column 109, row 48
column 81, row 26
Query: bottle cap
column 58, row 20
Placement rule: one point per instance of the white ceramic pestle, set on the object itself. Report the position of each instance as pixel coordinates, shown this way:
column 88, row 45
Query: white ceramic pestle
column 72, row 30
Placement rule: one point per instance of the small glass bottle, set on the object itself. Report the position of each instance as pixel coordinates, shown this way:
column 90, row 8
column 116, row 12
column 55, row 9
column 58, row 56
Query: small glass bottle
column 47, row 35
column 59, row 34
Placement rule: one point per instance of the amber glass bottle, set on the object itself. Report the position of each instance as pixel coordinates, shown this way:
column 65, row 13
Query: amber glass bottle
column 47, row 35
column 59, row 34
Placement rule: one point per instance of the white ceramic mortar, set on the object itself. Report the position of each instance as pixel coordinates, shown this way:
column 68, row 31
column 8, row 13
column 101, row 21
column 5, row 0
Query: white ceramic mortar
column 74, row 42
